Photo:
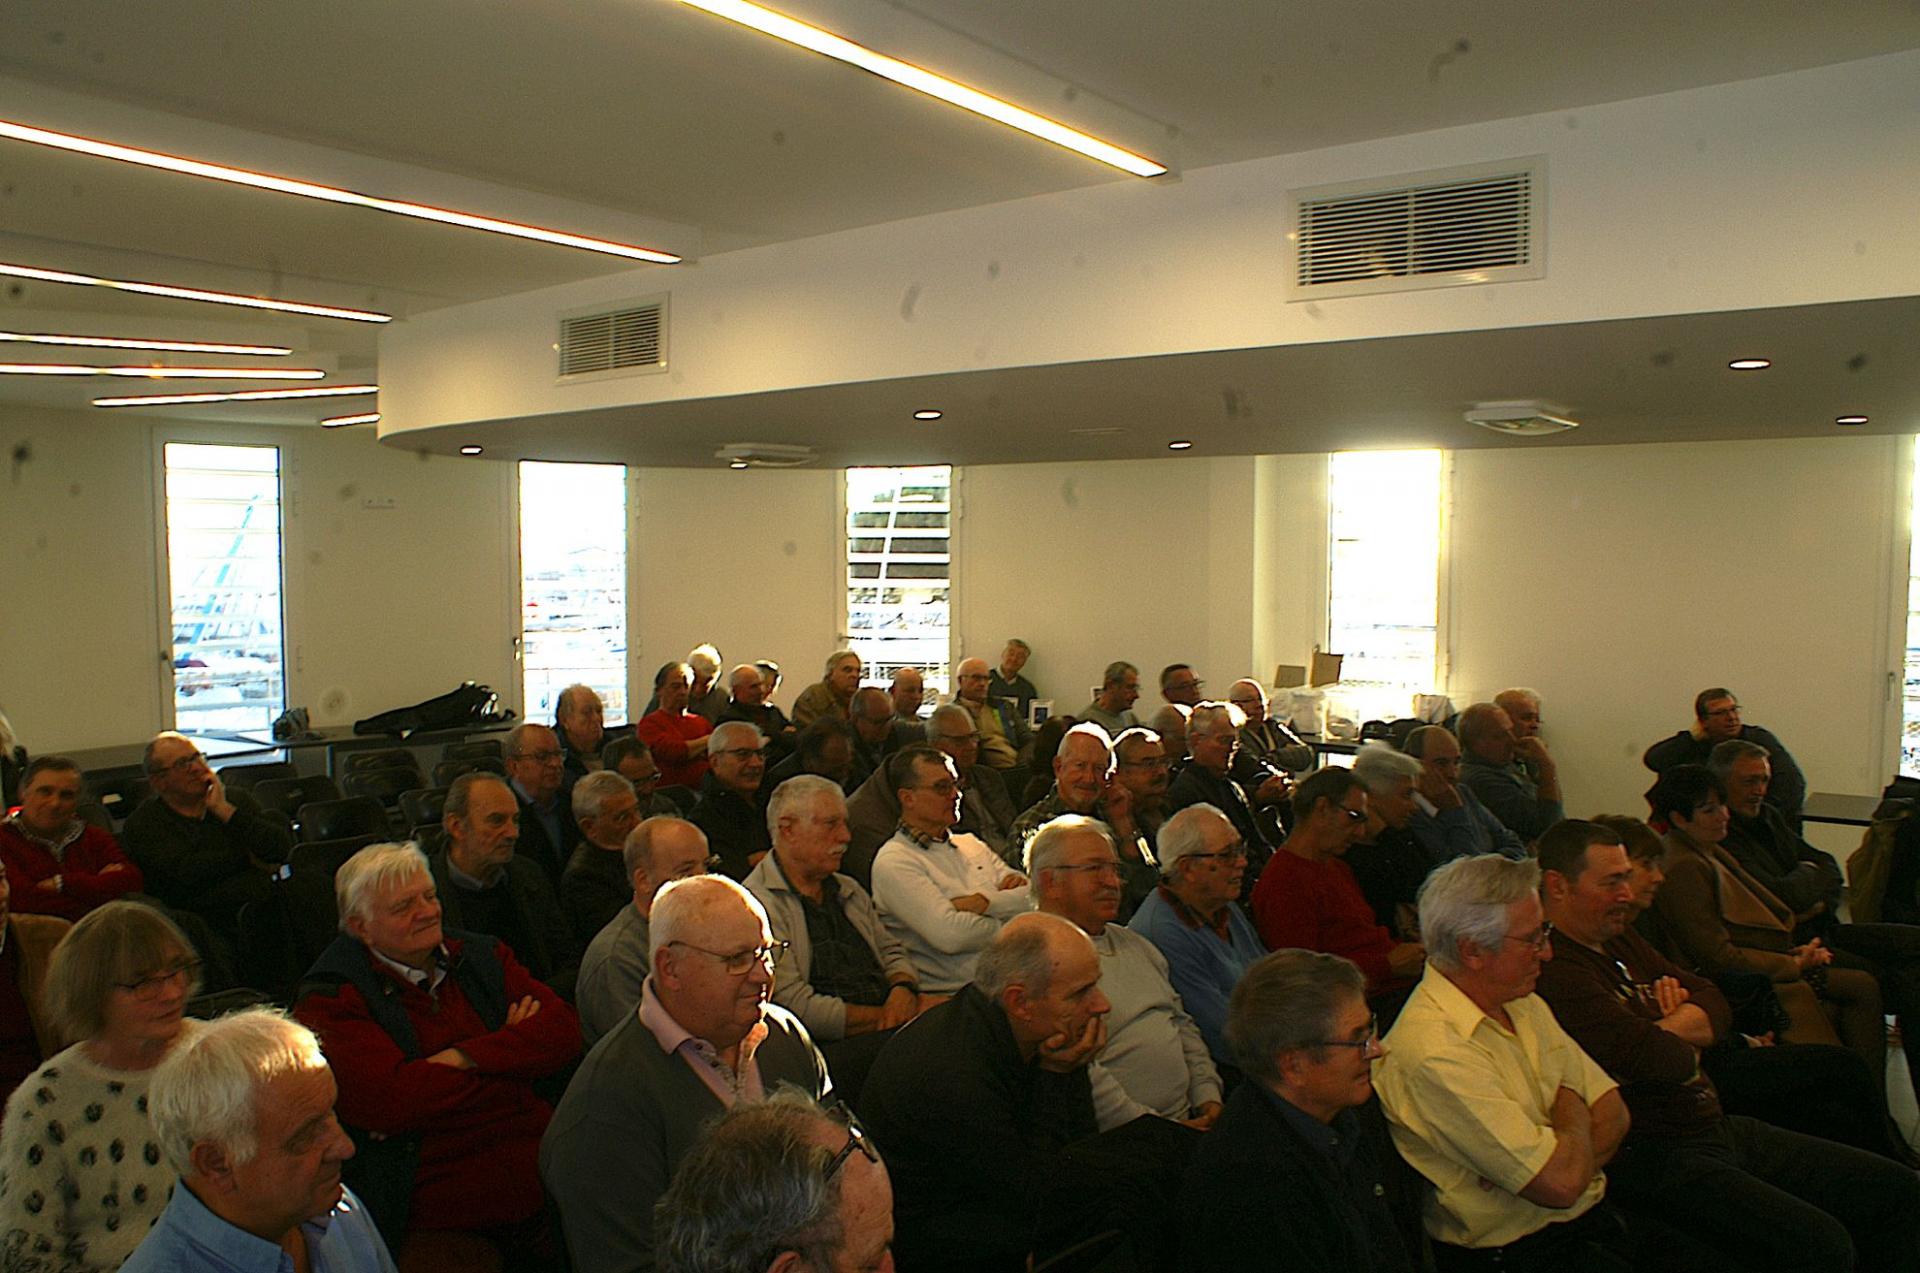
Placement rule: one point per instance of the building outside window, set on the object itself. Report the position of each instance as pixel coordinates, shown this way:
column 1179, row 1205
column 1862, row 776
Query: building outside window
column 573, row 584
column 899, row 571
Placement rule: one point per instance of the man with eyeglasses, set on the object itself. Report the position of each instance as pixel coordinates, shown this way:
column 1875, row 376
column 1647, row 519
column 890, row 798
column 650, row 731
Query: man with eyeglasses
column 1449, row 821
column 1112, row 705
column 1300, row 1171
column 986, row 811
column 1179, row 683
column 1084, row 782
column 199, row 850
column 657, row 852
column 1754, row 1196
column 1516, row 779
column 548, row 834
column 1142, row 766
column 595, row 884
column 1266, row 743
column 1213, row 738
column 876, row 734
column 1716, row 718
column 1489, row 1098
column 729, row 806
column 1003, row 731
column 705, row 1038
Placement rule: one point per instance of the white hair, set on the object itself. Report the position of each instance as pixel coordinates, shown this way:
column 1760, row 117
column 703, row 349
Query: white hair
column 1467, row 900
column 682, row 907
column 1049, row 844
column 1085, row 729
column 704, row 659
column 1381, row 768
column 591, row 792
column 1206, row 713
column 726, row 729
column 376, row 867
column 798, row 793
column 948, row 712
column 8, row 740
column 1185, row 832
column 208, row 1087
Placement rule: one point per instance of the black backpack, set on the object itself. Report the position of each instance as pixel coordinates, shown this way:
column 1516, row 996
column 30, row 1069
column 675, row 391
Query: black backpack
column 470, row 704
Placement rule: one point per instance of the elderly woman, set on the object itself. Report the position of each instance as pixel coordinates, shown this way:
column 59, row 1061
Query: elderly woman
column 81, row 1173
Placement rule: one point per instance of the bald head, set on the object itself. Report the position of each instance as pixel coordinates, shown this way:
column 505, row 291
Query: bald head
column 1250, row 697
column 746, row 686
column 908, row 691
column 970, row 680
column 1045, row 975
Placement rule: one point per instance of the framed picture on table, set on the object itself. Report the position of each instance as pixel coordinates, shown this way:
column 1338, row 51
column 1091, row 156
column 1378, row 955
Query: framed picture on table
column 1038, row 710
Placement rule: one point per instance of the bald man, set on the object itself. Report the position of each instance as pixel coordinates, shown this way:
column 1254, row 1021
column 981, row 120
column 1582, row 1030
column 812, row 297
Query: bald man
column 748, row 702
column 1002, row 733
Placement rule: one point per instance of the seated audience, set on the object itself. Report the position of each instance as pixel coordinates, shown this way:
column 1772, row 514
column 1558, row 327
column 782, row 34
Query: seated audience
column 1155, row 1062
column 1193, row 918
column 631, row 758
column 1449, row 821
column 986, row 809
column 1749, row 1194
column 436, row 1037
column 198, row 850
column 579, row 719
column 658, row 851
column 244, row 1112
column 1794, row 871
column 876, row 734
column 1300, row 1172
column 729, row 806
column 824, row 748
column 943, row 896
column 749, row 703
column 595, row 885
column 782, row 1185
column 1716, row 718
column 26, row 1031
column 1307, row 898
column 907, row 691
column 1265, row 741
column 1170, row 722
column 1141, row 766
column 1213, row 737
column 833, row 693
column 769, row 676
column 706, row 698
column 486, row 887
column 1007, row 683
column 57, row 863
column 1489, row 1098
column 705, row 1038
column 1112, row 708
column 1179, row 683
column 81, row 1177
column 547, row 832
column 1522, row 707
column 1515, row 778
column 1084, row 783
column 1003, row 732
column 1386, row 861
column 677, row 737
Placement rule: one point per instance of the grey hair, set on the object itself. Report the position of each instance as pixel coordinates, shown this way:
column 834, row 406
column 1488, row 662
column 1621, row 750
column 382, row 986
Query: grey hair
column 1518, row 693
column 516, row 737
column 110, row 945
column 1117, row 672
column 637, row 853
column 1416, row 744
column 373, row 868
column 591, row 792
column 1085, row 729
column 681, row 908
column 1137, row 736
column 1185, row 832
column 949, row 712
column 704, row 655
column 753, row 1187
column 1021, row 954
column 798, row 793
column 208, row 1087
column 717, row 740
column 742, row 673
column 569, row 695
column 1048, row 845
column 839, row 656
column 1467, row 900
column 1018, row 644
column 1205, row 714
column 1381, row 769
column 460, row 792
column 1287, row 1001
column 1726, row 755
column 8, row 739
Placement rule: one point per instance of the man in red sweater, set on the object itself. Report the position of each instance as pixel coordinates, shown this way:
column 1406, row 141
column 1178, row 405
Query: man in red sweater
column 1307, row 897
column 58, row 864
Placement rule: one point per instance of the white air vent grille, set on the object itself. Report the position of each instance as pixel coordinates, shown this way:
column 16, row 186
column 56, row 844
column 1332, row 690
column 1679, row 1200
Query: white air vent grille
column 1440, row 229
column 627, row 339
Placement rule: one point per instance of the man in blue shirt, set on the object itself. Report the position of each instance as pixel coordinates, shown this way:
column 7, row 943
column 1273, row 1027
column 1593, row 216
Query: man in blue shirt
column 1449, row 821
column 263, row 1195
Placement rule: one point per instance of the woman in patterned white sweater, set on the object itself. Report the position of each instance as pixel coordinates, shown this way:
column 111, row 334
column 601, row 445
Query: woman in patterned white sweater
column 82, row 1178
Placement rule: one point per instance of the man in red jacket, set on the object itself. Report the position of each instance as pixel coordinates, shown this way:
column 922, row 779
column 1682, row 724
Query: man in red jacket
column 58, row 864
column 436, row 1039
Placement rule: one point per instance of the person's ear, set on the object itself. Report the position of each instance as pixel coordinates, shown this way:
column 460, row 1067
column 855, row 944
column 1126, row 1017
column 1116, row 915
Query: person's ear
column 212, row 1163
column 786, row 1262
column 1018, row 1005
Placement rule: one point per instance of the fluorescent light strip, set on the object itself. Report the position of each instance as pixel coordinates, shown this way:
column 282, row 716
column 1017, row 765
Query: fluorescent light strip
column 193, row 294
column 330, row 194
column 160, row 373
column 342, row 421
column 128, row 342
column 782, row 27
column 238, row 395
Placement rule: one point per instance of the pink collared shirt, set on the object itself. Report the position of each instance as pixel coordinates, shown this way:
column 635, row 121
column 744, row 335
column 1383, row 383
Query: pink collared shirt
column 725, row 1082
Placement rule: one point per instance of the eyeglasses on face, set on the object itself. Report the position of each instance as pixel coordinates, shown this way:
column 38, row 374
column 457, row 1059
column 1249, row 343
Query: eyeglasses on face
column 1354, row 815
column 1237, row 849
column 1369, row 1040
column 152, row 986
column 856, row 1139
column 740, row 753
column 740, row 962
column 1537, row 940
column 1730, row 710
column 551, row 757
column 186, row 764
column 1108, row 867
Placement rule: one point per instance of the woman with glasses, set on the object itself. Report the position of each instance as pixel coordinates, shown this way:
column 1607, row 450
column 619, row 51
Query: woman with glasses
column 81, row 1172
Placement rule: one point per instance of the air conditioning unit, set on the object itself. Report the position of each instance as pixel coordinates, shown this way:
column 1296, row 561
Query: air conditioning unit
column 1526, row 419
column 764, row 455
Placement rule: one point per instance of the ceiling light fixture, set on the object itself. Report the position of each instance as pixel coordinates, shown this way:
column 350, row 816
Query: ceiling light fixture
column 238, row 395
column 471, row 449
column 343, row 421
column 159, row 373
column 782, row 27
column 1181, row 445
column 1750, row 364
column 330, row 194
column 194, row 294
column 736, row 464
column 1850, row 419
column 928, row 415
column 128, row 342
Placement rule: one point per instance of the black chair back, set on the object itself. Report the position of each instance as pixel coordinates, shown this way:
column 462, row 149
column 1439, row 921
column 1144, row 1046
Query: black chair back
column 270, row 962
column 339, row 819
column 353, row 762
column 284, row 796
column 447, row 770
column 473, row 747
column 120, row 796
column 423, row 806
column 384, row 785
column 243, row 777
column 324, row 857
column 685, row 797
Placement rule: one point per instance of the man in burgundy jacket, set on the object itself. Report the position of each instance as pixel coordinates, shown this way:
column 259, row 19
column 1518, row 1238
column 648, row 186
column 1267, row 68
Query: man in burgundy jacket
column 58, row 864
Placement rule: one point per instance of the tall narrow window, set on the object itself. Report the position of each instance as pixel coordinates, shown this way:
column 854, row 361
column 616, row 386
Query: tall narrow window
column 223, row 575
column 1910, row 716
column 899, row 571
column 1383, row 535
column 573, row 584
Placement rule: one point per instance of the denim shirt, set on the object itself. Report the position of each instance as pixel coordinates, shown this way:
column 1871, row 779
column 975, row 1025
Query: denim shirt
column 188, row 1238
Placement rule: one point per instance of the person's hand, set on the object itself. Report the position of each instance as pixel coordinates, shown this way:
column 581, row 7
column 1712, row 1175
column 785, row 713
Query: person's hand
column 902, row 1006
column 1407, row 959
column 518, row 1012
column 1407, row 919
column 1438, row 791
column 1669, row 994
column 1812, row 955
column 1276, row 789
column 453, row 1058
column 1063, row 1055
column 1012, row 880
column 1532, row 749
column 113, row 866
column 217, row 803
column 1203, row 1117
column 1760, row 1040
column 974, row 903
column 1117, row 802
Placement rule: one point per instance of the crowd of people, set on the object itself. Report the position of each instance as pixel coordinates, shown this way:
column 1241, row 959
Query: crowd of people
column 733, row 990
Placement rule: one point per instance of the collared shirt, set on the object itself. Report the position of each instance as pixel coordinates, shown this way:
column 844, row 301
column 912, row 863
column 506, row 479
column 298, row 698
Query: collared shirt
column 56, row 845
column 188, row 1237
column 1219, row 925
column 844, row 966
column 427, row 979
column 923, row 839
column 1470, row 1102
column 740, row 1082
column 548, row 813
column 1339, row 1141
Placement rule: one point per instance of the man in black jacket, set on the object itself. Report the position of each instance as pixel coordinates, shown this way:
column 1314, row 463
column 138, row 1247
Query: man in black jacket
column 486, row 887
column 1716, row 718
column 729, row 808
column 535, row 770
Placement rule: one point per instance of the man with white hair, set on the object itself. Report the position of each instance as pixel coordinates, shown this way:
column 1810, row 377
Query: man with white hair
column 657, row 852
column 729, row 806
column 1084, row 783
column 1007, row 682
column 1213, row 741
column 580, row 720
column 594, row 886
column 437, row 1038
column 705, row 1038
column 749, row 703
column 1387, row 862
column 1488, row 1097
column 244, row 1112
column 833, row 692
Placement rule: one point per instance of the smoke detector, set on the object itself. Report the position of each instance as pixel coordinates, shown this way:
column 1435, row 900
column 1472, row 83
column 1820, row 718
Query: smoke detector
column 764, row 455
column 1528, row 419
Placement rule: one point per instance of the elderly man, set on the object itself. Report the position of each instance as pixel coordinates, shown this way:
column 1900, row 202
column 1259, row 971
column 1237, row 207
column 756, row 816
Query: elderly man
column 1754, row 1196
column 1758, row 836
column 1300, row 1171
column 580, row 719
column 1179, row 683
column 437, row 1037
column 486, row 887
column 1265, row 742
column 729, row 806
column 1007, row 683
column 1003, row 732
column 824, row 748
column 736, row 1191
column 704, row 1039
column 198, row 850
column 1141, row 766
column 1084, row 783
column 706, row 698
column 1716, row 718
column 1386, row 861
column 536, row 773
column 908, row 694
column 631, row 758
column 594, row 886
column 658, row 852
column 986, row 811
column 1488, row 1097
column 59, row 864
column 243, row 1111
column 943, row 896
column 1449, row 821
column 1155, row 1062
column 749, row 703
column 1514, row 777
column 833, row 693
column 1207, row 940
column 678, row 738
column 1170, row 722
column 876, row 734
column 1112, row 707
column 1522, row 707
column 1213, row 738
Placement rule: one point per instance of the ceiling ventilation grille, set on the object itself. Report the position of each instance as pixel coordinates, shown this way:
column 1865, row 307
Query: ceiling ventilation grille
column 1442, row 229
column 631, row 338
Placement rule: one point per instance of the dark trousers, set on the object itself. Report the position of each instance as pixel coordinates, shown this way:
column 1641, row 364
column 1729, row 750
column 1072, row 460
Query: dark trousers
column 1594, row 1243
column 1814, row 1088
column 1891, row 952
column 1759, row 1198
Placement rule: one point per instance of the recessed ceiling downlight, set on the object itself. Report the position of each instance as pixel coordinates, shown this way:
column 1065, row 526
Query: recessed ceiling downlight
column 471, row 449
column 928, row 414
column 1850, row 419
column 1750, row 364
column 1180, row 444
